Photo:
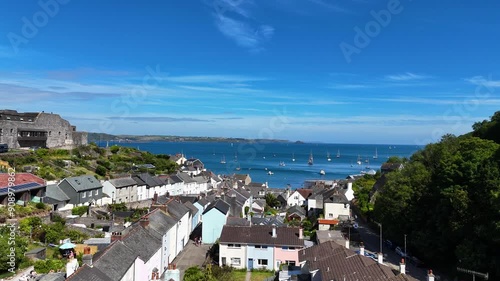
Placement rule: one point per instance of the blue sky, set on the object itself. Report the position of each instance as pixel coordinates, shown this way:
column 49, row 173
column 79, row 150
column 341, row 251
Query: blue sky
column 394, row 72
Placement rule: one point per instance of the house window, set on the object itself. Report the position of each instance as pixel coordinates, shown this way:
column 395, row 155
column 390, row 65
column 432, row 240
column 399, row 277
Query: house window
column 90, row 193
column 235, row 246
column 83, row 194
column 235, row 261
column 286, row 248
column 261, row 262
column 290, row 263
column 96, row 192
column 330, row 215
column 223, row 260
column 260, row 247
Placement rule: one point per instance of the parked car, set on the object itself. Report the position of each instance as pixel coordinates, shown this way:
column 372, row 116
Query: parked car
column 400, row 252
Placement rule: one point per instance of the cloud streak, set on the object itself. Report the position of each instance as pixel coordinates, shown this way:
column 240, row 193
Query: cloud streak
column 408, row 76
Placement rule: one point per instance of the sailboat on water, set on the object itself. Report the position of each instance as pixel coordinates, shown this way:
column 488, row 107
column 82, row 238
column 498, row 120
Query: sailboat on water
column 359, row 160
column 338, row 153
column 376, row 154
column 223, row 160
column 293, row 157
column 310, row 161
column 328, row 156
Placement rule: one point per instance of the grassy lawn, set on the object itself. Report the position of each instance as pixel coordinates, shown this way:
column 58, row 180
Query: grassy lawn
column 256, row 275
column 259, row 276
column 239, row 275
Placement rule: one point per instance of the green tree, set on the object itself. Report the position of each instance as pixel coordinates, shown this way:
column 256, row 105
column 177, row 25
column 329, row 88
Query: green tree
column 19, row 243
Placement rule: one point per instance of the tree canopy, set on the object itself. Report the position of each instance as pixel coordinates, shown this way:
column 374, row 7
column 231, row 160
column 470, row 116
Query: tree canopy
column 447, row 200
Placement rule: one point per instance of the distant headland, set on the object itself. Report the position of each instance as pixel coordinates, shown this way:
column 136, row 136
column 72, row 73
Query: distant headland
column 100, row 137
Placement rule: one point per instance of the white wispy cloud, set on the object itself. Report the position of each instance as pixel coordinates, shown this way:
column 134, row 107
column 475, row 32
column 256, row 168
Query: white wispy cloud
column 482, row 81
column 245, row 34
column 408, row 76
column 213, row 79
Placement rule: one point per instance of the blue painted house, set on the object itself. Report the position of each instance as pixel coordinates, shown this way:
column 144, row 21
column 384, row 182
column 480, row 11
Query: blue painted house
column 214, row 218
column 195, row 215
column 201, row 205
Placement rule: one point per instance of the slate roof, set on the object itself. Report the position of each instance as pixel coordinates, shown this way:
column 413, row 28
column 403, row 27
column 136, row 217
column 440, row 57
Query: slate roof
column 192, row 208
column 160, row 221
column 297, row 210
column 276, row 220
column 83, row 183
column 87, row 273
column 337, row 263
column 203, row 202
column 176, row 209
column 336, row 198
column 220, row 205
column 175, row 179
column 54, row 192
column 185, row 198
column 147, row 180
column 142, row 243
column 115, row 260
column 123, row 182
column 237, row 221
column 261, row 234
column 185, row 177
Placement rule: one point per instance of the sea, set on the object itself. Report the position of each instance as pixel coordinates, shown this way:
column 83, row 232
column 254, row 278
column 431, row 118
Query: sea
column 273, row 162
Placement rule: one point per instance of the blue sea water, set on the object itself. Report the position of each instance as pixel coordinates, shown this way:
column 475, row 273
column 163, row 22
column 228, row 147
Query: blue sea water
column 257, row 159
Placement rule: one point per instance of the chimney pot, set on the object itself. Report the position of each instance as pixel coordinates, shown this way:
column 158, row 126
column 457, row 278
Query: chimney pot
column 116, row 236
column 380, row 258
column 402, row 267
column 144, row 222
column 274, row 231
column 362, row 249
column 301, row 233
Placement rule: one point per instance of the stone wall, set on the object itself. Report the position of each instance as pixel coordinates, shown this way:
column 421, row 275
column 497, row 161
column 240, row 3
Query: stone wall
column 59, row 132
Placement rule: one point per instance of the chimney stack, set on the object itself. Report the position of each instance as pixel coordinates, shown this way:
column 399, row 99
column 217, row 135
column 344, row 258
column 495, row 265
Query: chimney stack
column 116, row 236
column 402, row 267
column 362, row 249
column 430, row 276
column 144, row 222
column 155, row 198
column 380, row 258
column 87, row 259
column 274, row 231
column 301, row 233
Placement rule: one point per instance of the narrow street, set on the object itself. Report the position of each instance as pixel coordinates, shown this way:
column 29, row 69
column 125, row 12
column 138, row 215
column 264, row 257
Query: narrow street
column 371, row 240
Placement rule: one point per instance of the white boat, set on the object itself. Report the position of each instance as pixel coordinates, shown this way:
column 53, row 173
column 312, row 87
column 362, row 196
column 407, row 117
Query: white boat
column 282, row 164
column 359, row 160
column 293, row 157
column 223, row 160
column 310, row 161
column 328, row 156
column 338, row 153
column 270, row 173
column 322, row 172
column 376, row 154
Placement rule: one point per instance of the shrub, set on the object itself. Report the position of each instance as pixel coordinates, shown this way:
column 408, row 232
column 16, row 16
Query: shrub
column 40, row 206
column 78, row 211
column 45, row 266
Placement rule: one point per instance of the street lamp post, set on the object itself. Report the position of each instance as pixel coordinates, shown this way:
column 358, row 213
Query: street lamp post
column 405, row 248
column 380, row 237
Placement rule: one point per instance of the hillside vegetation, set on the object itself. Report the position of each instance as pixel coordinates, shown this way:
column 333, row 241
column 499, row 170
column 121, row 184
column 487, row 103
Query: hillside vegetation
column 53, row 164
column 447, row 200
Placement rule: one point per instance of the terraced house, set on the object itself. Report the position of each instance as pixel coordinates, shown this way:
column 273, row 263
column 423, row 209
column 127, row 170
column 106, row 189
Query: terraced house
column 260, row 246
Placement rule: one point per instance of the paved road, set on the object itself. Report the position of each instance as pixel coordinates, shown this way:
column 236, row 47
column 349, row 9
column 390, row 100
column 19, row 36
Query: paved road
column 371, row 239
column 191, row 255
